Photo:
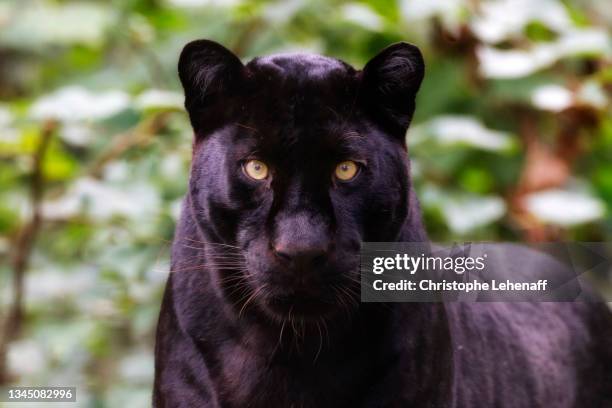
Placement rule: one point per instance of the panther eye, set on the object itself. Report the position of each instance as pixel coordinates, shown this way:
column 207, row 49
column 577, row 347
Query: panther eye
column 346, row 170
column 255, row 169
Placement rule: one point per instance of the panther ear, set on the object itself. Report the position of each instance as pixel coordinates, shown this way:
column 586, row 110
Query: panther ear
column 391, row 81
column 207, row 70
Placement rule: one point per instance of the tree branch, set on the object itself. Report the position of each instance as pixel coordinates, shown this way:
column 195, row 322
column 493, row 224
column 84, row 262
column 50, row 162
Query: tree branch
column 11, row 325
column 122, row 142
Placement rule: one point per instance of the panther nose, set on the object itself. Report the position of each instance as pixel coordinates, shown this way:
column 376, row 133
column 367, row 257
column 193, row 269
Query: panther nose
column 299, row 255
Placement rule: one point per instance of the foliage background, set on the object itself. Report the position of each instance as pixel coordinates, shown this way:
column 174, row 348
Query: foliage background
column 512, row 140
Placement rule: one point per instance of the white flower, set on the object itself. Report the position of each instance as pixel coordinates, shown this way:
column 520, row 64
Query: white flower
column 137, row 367
column 8, row 135
column 363, row 16
column 565, row 208
column 451, row 12
column 173, row 166
column 42, row 24
column 117, row 172
column 26, row 357
column 592, row 94
column 465, row 214
column 75, row 103
column 202, row 3
column 580, row 41
column 281, row 12
column 455, row 129
column 5, row 117
column 52, row 283
column 502, row 19
column 176, row 207
column 102, row 201
column 77, row 134
column 418, row 10
column 495, row 63
column 159, row 99
column 552, row 97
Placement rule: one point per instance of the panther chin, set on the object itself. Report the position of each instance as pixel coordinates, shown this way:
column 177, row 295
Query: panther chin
column 282, row 304
column 305, row 307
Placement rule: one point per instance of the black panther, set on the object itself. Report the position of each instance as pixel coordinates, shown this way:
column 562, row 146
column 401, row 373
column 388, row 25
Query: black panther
column 297, row 159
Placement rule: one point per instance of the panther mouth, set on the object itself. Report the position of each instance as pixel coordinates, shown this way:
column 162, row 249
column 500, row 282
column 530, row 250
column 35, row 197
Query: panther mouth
column 302, row 305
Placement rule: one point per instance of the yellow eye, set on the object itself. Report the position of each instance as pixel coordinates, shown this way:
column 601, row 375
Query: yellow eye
column 346, row 170
column 256, row 169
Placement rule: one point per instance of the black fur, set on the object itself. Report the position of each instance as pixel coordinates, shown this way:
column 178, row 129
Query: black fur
column 261, row 308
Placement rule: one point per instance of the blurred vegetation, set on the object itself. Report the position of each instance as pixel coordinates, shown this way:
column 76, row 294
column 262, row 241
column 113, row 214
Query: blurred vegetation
column 512, row 140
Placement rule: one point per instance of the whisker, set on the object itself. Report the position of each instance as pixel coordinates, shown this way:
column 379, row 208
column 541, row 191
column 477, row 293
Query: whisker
column 204, row 243
column 280, row 336
column 320, row 342
column 252, row 297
